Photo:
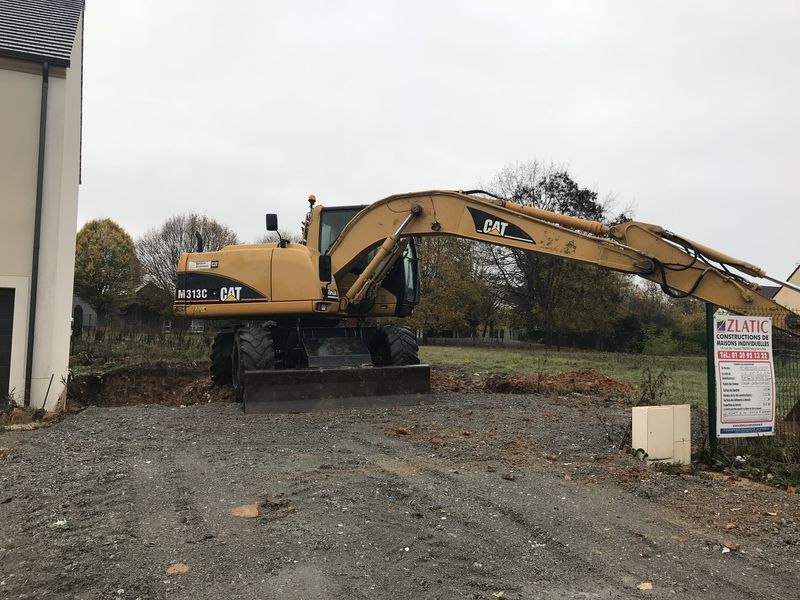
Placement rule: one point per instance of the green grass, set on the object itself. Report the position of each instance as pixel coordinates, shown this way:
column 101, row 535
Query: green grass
column 686, row 374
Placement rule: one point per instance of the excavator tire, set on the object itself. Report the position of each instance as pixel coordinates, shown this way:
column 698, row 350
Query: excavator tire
column 394, row 345
column 221, row 350
column 252, row 351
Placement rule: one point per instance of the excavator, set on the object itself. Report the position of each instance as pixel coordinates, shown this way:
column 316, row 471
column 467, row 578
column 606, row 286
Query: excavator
column 299, row 322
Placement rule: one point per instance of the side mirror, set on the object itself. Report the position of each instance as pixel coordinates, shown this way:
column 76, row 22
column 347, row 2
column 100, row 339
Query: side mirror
column 272, row 222
column 198, row 241
column 325, row 268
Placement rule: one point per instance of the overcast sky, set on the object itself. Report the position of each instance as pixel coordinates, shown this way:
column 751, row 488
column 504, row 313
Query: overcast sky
column 690, row 111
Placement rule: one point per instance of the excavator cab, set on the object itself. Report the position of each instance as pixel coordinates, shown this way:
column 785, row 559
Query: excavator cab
column 402, row 279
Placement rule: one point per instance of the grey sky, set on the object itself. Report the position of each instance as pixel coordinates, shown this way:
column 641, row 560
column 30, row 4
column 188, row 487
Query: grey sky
column 688, row 110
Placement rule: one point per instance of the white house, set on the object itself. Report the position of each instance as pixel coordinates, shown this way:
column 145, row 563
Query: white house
column 41, row 43
column 787, row 296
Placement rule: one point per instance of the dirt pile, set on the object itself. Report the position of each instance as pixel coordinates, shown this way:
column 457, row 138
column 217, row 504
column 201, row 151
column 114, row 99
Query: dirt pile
column 158, row 383
column 455, row 380
column 20, row 418
column 204, row 390
column 16, row 415
column 587, row 381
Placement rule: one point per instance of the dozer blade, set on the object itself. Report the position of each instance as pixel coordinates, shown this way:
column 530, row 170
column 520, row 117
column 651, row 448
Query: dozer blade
column 301, row 390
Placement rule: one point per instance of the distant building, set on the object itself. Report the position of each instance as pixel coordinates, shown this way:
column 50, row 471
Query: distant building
column 148, row 308
column 41, row 52
column 84, row 316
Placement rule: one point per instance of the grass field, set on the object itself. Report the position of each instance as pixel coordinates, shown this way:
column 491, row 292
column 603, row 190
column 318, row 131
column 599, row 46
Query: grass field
column 686, row 375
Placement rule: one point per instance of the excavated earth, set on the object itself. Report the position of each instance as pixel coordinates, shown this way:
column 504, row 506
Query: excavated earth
column 474, row 495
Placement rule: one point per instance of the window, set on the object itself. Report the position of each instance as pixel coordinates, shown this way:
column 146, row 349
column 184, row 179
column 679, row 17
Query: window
column 332, row 221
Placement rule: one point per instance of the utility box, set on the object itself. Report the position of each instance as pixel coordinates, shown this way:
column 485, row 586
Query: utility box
column 663, row 432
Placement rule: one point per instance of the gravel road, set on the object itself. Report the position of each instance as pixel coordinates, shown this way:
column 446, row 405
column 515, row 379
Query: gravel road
column 474, row 496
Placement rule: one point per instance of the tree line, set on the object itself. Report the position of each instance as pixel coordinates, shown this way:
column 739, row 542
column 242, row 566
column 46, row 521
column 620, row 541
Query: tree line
column 467, row 288
column 115, row 274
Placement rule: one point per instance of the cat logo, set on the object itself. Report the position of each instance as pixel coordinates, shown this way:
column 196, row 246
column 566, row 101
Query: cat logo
column 493, row 227
column 488, row 224
column 230, row 294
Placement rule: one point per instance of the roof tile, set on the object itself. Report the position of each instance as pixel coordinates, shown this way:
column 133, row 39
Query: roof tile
column 39, row 30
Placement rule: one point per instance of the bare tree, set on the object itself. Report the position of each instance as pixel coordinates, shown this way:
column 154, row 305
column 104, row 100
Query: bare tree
column 273, row 237
column 160, row 248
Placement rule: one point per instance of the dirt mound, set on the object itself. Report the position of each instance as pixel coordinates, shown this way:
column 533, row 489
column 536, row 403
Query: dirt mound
column 587, row 381
column 455, row 380
column 204, row 390
column 16, row 415
column 158, row 383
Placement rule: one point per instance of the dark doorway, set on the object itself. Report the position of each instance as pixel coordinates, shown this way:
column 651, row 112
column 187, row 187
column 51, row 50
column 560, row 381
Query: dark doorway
column 6, row 324
column 77, row 320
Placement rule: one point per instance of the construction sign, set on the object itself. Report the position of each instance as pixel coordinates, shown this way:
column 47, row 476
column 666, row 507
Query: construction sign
column 745, row 376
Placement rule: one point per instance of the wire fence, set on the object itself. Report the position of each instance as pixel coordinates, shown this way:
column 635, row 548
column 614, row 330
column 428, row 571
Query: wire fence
column 129, row 344
column 786, row 360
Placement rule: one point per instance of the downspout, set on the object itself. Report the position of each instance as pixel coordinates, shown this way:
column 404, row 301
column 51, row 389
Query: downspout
column 37, row 233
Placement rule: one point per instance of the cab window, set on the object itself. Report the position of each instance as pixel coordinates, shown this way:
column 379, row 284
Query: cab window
column 331, row 223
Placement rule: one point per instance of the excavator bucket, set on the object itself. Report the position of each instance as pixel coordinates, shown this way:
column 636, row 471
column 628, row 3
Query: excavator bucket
column 302, row 390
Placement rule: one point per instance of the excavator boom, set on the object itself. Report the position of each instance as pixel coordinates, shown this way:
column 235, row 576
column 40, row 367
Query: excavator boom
column 680, row 266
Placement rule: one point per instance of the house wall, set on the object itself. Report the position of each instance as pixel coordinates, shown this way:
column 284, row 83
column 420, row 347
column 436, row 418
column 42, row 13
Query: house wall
column 59, row 225
column 788, row 297
column 20, row 100
column 19, row 121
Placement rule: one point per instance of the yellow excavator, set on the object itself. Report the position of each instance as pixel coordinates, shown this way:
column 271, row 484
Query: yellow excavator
column 298, row 323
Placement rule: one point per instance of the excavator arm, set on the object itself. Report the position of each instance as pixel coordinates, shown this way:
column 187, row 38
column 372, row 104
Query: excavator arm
column 681, row 267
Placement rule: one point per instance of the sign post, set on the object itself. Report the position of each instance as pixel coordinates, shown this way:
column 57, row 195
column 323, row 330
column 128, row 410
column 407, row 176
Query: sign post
column 744, row 376
column 711, row 379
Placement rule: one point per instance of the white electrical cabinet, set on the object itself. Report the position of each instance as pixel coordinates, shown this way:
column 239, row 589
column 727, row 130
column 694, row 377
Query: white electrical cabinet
column 663, row 432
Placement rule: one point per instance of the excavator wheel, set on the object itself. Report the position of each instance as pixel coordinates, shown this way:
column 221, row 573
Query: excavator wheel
column 252, row 351
column 394, row 345
column 221, row 350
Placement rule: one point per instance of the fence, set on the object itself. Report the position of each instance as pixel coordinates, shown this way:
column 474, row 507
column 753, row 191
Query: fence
column 118, row 345
column 786, row 358
column 478, row 341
